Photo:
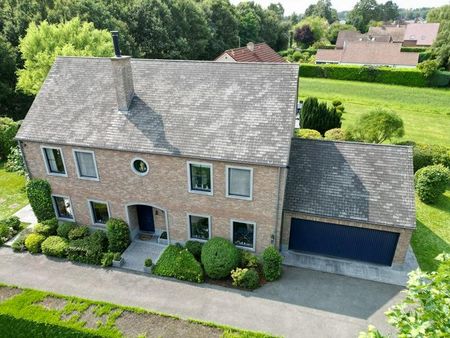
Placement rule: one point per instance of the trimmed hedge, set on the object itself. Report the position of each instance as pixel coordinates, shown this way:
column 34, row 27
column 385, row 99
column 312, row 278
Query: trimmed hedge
column 179, row 263
column 272, row 260
column 55, row 246
column 398, row 76
column 23, row 328
column 307, row 133
column 88, row 250
column 47, row 228
column 39, row 195
column 429, row 154
column 335, row 134
column 79, row 232
column 431, row 182
column 118, row 234
column 219, row 257
column 65, row 228
column 33, row 242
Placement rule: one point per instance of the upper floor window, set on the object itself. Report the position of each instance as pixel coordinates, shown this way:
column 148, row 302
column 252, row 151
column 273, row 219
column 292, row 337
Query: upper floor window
column 63, row 207
column 200, row 178
column 86, row 165
column 239, row 182
column 54, row 161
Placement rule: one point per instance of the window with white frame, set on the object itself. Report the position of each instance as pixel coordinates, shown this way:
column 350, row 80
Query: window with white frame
column 86, row 166
column 63, row 207
column 200, row 177
column 199, row 227
column 99, row 212
column 239, row 182
column 243, row 234
column 54, row 161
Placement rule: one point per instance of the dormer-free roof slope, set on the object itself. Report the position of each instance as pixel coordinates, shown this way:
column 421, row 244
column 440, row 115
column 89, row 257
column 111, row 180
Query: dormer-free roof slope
column 258, row 52
column 242, row 112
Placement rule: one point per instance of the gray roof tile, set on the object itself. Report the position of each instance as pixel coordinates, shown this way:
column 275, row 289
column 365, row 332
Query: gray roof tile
column 240, row 112
column 355, row 181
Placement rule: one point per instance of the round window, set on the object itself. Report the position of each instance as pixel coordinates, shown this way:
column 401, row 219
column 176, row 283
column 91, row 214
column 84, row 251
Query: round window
column 139, row 166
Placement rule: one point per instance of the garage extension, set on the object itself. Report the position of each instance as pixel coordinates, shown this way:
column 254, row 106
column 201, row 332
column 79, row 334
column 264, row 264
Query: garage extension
column 349, row 200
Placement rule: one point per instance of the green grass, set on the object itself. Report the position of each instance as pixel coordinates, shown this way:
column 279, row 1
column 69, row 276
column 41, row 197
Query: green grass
column 25, row 310
column 12, row 192
column 425, row 111
column 432, row 235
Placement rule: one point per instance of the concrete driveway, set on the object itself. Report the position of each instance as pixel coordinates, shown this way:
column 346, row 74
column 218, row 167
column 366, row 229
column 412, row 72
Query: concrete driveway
column 304, row 303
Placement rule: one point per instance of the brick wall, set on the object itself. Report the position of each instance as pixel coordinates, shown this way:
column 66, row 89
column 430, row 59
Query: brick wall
column 165, row 187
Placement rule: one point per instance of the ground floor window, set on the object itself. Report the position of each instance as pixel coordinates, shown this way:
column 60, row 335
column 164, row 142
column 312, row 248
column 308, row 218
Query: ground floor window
column 63, row 207
column 99, row 212
column 199, row 227
column 243, row 234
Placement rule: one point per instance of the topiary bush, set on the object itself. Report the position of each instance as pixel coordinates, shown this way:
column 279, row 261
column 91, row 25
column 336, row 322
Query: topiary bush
column 65, row 228
column 431, row 182
column 179, row 263
column 47, row 228
column 335, row 134
column 245, row 278
column 219, row 256
column 318, row 116
column 429, row 154
column 308, row 133
column 33, row 242
column 271, row 261
column 55, row 246
column 39, row 196
column 79, row 232
column 148, row 262
column 118, row 234
column 195, row 248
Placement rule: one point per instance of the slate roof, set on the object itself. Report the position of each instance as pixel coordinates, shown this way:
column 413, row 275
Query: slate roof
column 261, row 53
column 354, row 181
column 241, row 112
column 423, row 33
column 369, row 52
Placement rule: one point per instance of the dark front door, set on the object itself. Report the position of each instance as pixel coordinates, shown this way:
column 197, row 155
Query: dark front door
column 361, row 244
column 145, row 217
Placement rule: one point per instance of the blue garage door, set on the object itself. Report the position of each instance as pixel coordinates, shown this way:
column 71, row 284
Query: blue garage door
column 328, row 239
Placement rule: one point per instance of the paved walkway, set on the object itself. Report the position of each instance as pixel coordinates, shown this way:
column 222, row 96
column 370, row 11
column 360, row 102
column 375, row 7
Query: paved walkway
column 138, row 251
column 26, row 215
column 304, row 303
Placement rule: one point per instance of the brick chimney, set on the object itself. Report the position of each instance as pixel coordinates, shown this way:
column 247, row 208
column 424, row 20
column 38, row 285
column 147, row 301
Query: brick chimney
column 123, row 76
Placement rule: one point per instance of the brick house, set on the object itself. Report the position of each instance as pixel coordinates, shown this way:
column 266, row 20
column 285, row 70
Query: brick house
column 201, row 149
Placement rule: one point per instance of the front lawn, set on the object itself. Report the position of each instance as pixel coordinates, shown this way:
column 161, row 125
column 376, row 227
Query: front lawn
column 432, row 235
column 28, row 313
column 425, row 111
column 12, row 192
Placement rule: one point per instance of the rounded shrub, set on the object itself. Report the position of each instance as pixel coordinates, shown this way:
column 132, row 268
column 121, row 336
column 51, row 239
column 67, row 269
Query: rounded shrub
column 195, row 248
column 148, row 262
column 431, row 182
column 33, row 242
column 65, row 228
column 39, row 196
column 429, row 154
column 335, row 134
column 245, row 278
column 12, row 222
column 79, row 232
column 118, row 234
column 308, row 133
column 55, row 246
column 272, row 260
column 47, row 228
column 219, row 256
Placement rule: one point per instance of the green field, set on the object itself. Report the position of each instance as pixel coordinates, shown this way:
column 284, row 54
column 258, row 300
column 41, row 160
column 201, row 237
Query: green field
column 12, row 192
column 425, row 111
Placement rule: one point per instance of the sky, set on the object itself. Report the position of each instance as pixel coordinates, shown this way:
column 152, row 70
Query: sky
column 299, row 6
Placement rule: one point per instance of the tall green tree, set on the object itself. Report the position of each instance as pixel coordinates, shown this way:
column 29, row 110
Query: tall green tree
column 319, row 27
column 363, row 12
column 323, row 9
column 335, row 28
column 71, row 38
column 274, row 29
column 441, row 47
column 389, row 11
column 223, row 25
column 250, row 20
column 318, row 116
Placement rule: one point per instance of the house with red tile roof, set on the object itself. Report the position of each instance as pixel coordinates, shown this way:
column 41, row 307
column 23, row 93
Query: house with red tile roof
column 368, row 53
column 252, row 52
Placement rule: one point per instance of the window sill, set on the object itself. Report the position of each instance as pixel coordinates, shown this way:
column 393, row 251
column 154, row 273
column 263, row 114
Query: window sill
column 245, row 247
column 89, row 178
column 199, row 192
column 240, row 197
column 62, row 219
column 56, row 174
column 199, row 240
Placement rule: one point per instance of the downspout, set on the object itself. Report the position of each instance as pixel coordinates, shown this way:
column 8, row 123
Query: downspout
column 275, row 230
column 27, row 171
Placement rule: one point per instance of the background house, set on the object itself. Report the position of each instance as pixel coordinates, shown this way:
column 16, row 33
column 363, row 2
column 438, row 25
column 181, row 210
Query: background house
column 259, row 52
